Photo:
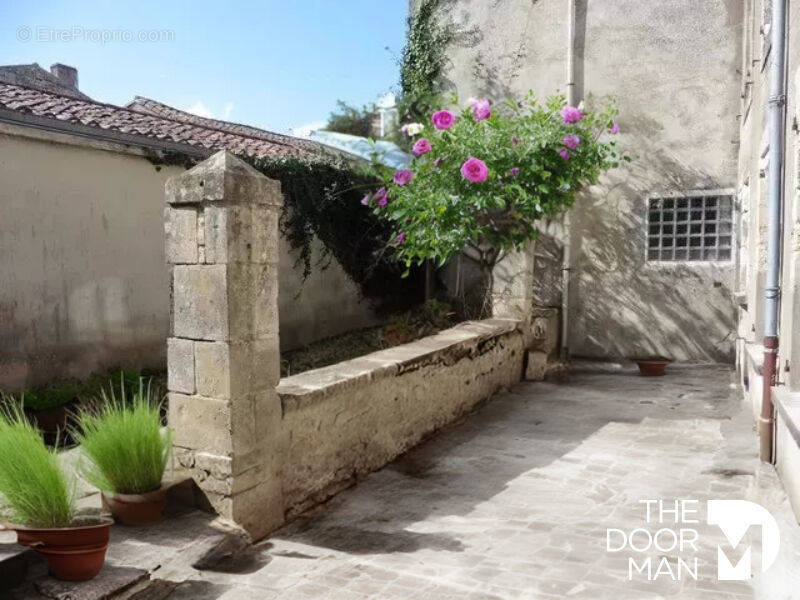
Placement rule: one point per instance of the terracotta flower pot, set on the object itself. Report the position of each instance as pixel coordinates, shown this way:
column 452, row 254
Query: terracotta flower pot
column 136, row 509
column 72, row 553
column 652, row 367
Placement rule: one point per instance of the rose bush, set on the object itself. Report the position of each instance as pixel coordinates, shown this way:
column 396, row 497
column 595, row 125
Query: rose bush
column 486, row 178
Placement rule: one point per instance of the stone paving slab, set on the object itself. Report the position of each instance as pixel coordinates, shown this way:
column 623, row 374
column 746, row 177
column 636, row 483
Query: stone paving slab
column 513, row 503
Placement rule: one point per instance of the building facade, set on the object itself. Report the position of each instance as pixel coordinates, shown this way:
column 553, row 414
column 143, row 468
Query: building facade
column 84, row 276
column 651, row 248
column 669, row 254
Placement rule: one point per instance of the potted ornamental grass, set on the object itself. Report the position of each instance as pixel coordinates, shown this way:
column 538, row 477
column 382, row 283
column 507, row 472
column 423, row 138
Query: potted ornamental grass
column 486, row 177
column 38, row 502
column 125, row 452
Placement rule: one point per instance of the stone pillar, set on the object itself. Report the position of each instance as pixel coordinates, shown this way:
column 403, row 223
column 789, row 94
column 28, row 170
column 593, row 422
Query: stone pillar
column 512, row 292
column 514, row 297
column 221, row 224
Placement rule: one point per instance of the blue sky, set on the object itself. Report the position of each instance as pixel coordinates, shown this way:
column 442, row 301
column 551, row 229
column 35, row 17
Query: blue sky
column 273, row 64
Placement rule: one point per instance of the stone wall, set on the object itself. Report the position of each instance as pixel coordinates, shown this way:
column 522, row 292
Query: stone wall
column 260, row 450
column 351, row 418
column 84, row 281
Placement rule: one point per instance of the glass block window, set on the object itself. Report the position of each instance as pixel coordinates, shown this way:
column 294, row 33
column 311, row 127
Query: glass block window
column 689, row 228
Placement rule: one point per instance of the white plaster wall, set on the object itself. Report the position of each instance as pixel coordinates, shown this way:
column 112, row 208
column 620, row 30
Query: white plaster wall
column 83, row 278
column 672, row 66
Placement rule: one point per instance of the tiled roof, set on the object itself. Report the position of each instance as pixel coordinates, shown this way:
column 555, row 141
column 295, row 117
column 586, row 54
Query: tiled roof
column 177, row 127
column 153, row 107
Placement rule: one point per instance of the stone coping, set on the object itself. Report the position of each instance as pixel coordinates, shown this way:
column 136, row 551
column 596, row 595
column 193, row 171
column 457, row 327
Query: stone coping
column 755, row 354
column 446, row 347
column 787, row 404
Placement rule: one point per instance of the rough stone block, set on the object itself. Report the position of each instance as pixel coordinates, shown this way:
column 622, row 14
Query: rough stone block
column 180, row 365
column 253, row 301
column 241, row 233
column 180, row 227
column 545, row 330
column 108, row 583
column 259, row 510
column 223, row 177
column 200, row 423
column 227, row 475
column 228, row 370
column 537, row 366
column 200, row 302
column 257, row 365
column 212, row 369
column 214, row 426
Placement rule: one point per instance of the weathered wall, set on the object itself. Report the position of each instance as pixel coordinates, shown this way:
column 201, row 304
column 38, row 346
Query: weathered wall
column 753, row 190
column 261, row 449
column 83, row 280
column 672, row 67
column 343, row 421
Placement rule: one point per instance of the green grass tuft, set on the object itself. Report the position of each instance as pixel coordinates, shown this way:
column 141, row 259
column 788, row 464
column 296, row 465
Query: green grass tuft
column 124, row 448
column 34, row 489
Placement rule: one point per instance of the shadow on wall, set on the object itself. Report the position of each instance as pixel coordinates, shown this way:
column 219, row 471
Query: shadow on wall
column 624, row 305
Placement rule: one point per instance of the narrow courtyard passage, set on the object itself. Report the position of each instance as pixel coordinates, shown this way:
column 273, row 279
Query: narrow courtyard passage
column 515, row 502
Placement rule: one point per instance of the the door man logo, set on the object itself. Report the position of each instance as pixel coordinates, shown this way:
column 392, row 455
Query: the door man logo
column 734, row 518
column 681, row 542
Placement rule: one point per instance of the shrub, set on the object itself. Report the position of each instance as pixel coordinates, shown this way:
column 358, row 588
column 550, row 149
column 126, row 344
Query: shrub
column 59, row 393
column 124, row 448
column 487, row 177
column 351, row 119
column 33, row 485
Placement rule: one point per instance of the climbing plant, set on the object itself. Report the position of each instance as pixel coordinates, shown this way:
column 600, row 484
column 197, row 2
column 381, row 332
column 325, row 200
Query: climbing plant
column 322, row 200
column 423, row 60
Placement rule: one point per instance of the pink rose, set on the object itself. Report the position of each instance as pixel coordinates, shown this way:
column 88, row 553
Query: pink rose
column 422, row 146
column 381, row 197
column 443, row 119
column 401, row 238
column 571, row 141
column 481, row 109
column 570, row 114
column 474, row 170
column 564, row 154
column 403, row 176
column 513, row 171
column 615, row 128
column 365, row 200
column 438, row 161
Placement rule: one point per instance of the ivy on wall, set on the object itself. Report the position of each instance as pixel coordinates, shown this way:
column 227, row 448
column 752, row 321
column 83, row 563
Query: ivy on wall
column 323, row 200
column 423, row 60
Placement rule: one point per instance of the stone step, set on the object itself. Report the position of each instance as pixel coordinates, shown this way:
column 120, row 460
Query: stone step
column 108, row 584
column 14, row 561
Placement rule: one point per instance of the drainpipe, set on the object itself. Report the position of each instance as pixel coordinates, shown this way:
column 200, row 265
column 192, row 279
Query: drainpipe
column 772, row 291
column 566, row 260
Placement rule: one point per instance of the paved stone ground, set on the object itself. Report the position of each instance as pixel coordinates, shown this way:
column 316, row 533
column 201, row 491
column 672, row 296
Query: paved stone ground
column 514, row 503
